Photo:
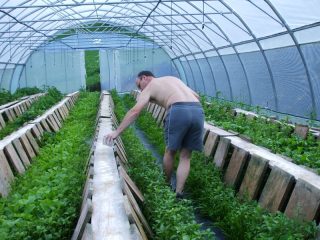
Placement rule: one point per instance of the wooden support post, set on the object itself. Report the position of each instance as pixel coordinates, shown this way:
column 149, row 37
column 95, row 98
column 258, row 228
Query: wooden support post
column 211, row 144
column 6, row 175
column 27, row 146
column 276, row 192
column 220, row 157
column 23, row 156
column 83, row 220
column 253, row 179
column 14, row 159
column 236, row 167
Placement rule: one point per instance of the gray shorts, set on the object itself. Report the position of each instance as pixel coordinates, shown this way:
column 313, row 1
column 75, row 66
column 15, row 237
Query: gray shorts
column 184, row 126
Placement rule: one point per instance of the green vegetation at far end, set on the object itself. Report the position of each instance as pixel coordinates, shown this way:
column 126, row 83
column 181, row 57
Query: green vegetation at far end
column 44, row 203
column 240, row 219
column 92, row 70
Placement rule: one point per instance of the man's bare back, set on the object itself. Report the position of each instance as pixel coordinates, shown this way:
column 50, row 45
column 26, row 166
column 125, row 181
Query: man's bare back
column 168, row 90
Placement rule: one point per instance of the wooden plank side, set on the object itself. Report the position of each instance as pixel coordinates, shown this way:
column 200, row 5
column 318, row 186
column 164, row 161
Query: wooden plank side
column 83, row 220
column 131, row 184
column 6, row 175
column 87, row 234
column 14, row 159
column 304, row 202
column 220, row 156
column 2, row 122
column 251, row 184
column 234, row 172
column 210, row 144
column 136, row 209
column 33, row 142
column 275, row 194
column 20, row 150
column 45, row 125
column 27, row 146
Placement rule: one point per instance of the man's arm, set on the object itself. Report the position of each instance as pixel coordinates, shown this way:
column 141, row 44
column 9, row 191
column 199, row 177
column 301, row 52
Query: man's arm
column 130, row 117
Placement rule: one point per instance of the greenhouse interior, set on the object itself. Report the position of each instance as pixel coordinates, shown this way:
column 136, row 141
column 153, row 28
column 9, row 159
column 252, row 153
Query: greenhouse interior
column 159, row 119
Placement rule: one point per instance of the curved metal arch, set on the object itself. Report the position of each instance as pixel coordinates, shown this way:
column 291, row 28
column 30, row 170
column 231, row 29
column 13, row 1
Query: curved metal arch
column 190, row 51
column 299, row 51
column 196, row 60
column 219, row 55
column 232, row 46
column 261, row 50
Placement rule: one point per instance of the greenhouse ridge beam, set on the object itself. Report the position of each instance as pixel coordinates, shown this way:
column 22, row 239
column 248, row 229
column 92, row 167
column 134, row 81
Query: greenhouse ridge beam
column 96, row 4
column 114, row 17
column 118, row 26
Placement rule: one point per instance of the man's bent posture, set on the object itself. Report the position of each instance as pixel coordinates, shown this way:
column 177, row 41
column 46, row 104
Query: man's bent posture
column 183, row 122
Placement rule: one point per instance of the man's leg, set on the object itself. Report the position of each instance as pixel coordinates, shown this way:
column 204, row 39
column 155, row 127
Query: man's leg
column 183, row 169
column 168, row 160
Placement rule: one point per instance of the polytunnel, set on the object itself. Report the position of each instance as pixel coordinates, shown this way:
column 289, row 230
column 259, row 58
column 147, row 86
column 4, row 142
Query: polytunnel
column 245, row 58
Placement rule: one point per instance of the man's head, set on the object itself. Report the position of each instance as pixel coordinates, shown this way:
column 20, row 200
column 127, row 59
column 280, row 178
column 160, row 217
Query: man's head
column 143, row 78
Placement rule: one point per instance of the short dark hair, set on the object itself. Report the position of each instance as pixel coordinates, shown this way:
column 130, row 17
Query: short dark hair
column 145, row 73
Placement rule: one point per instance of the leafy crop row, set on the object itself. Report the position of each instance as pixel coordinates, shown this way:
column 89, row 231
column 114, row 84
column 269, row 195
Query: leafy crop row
column 36, row 109
column 6, row 96
column 277, row 137
column 169, row 218
column 45, row 201
column 239, row 219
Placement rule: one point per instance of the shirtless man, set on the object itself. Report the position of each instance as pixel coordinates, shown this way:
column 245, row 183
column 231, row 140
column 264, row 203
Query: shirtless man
column 183, row 122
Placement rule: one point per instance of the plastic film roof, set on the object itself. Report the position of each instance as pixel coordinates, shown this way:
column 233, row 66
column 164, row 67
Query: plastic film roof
column 192, row 29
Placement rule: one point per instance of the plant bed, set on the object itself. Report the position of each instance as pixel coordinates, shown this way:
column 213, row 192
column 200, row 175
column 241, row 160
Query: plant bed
column 37, row 108
column 44, row 202
column 277, row 137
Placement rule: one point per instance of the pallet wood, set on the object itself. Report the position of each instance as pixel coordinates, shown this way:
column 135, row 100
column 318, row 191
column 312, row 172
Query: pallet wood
column 251, row 184
column 127, row 208
column 210, row 144
column 137, row 214
column 6, row 175
column 14, row 159
column 87, row 191
column 304, row 202
column 83, row 220
column 301, row 130
column 33, row 142
column 236, row 166
column 131, row 184
column 135, row 234
column 27, row 146
column 22, row 154
column 220, row 156
column 45, row 125
column 87, row 234
column 277, row 190
column 35, row 132
column 2, row 122
column 52, row 123
column 161, row 116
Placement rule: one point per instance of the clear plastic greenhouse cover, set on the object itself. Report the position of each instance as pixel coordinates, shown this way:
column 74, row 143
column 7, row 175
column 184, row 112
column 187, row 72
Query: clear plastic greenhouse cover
column 260, row 52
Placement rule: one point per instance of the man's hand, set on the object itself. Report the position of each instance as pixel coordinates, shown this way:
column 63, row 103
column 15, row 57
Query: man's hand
column 108, row 139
